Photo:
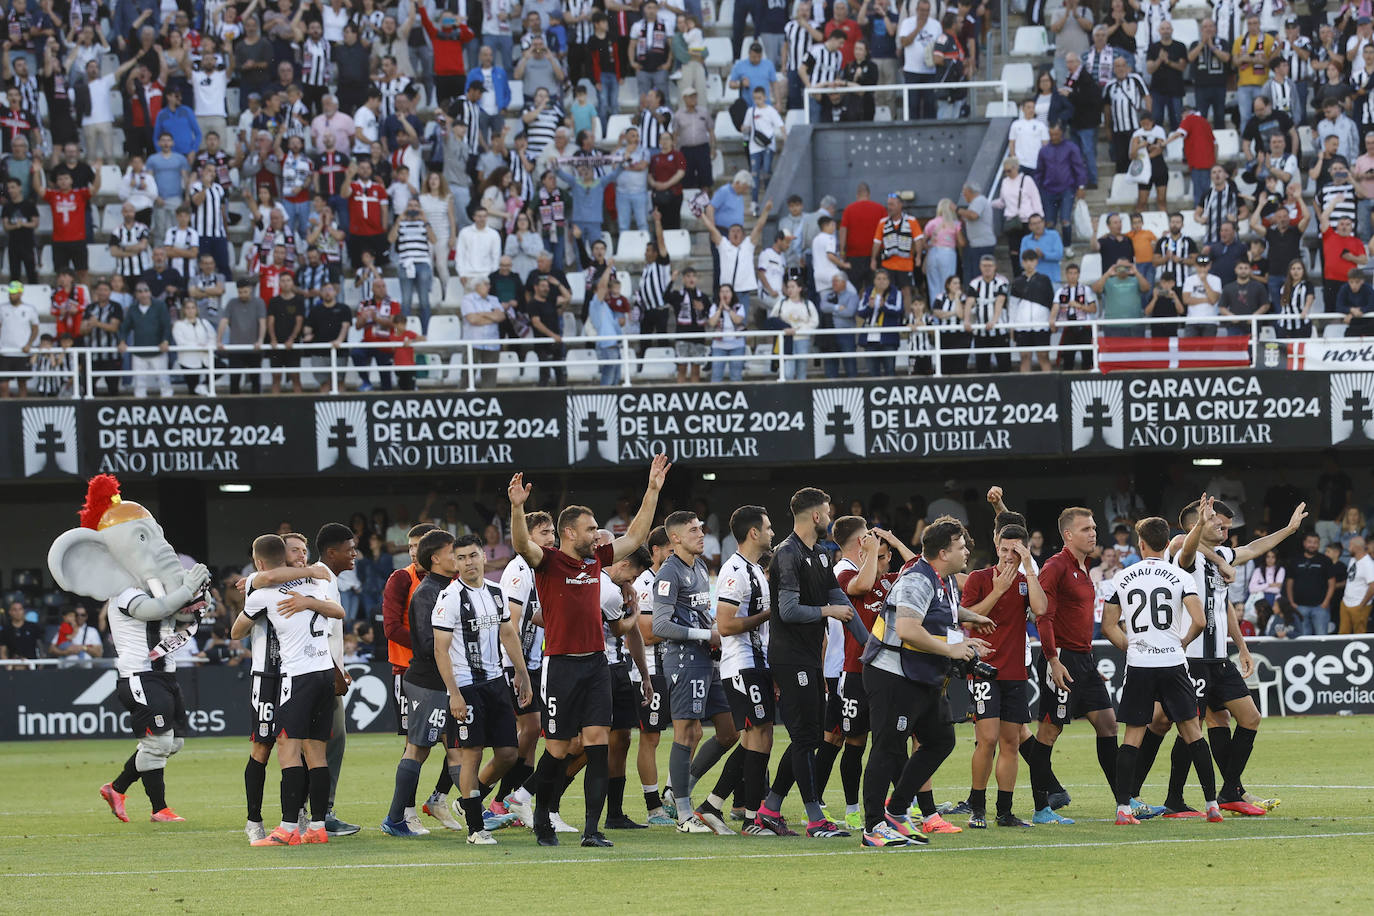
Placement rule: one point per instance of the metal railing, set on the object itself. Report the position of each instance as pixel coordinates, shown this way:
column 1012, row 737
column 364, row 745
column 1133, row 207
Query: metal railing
column 635, row 355
column 904, row 88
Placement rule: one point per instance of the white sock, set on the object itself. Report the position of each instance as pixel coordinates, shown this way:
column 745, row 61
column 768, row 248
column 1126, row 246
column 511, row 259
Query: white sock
column 409, row 813
column 851, row 809
column 255, row 823
column 715, row 801
column 1123, row 809
column 438, row 797
column 286, row 826
column 521, row 796
column 317, row 825
column 649, row 788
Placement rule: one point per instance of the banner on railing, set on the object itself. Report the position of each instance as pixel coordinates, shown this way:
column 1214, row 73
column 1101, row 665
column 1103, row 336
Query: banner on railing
column 1331, row 354
column 1118, row 353
column 751, row 424
column 1293, row 677
column 82, row 703
column 1208, row 410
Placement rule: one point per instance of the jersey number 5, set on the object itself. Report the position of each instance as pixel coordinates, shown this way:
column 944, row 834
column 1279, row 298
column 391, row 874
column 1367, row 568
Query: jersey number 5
column 1159, row 605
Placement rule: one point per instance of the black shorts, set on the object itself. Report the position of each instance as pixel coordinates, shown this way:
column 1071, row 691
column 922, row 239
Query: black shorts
column 695, row 692
column 750, row 694
column 833, row 712
column 801, row 700
column 852, row 700
column 427, row 715
column 1171, row 687
column 900, row 708
column 280, row 358
column 14, row 364
column 1008, row 701
column 625, row 698
column 1035, row 339
column 577, row 694
column 533, row 705
column 1216, row 683
column 1159, row 173
column 491, row 717
column 398, row 703
column 155, row 704
column 307, row 706
column 266, row 692
column 70, row 254
column 654, row 717
column 1086, row 694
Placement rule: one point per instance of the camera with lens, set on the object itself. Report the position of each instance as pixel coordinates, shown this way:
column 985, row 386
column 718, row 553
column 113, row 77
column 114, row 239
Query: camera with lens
column 973, row 667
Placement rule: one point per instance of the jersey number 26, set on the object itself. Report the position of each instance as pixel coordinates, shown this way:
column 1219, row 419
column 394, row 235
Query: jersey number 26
column 1158, row 603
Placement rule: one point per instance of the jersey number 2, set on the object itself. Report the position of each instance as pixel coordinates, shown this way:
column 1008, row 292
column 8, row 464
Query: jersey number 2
column 1157, row 602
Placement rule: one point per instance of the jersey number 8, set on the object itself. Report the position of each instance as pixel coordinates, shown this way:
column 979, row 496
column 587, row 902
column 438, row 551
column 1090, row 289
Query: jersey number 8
column 1159, row 604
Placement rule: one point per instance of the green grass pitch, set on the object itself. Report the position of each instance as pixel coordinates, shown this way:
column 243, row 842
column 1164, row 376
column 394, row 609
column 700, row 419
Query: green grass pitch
column 61, row 851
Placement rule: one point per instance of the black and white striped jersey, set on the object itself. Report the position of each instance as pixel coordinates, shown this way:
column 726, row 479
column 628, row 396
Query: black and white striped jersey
column 207, row 217
column 982, row 297
column 1125, row 97
column 474, row 617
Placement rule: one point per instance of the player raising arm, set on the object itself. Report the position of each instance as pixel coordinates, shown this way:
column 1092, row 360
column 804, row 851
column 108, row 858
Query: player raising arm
column 1163, row 615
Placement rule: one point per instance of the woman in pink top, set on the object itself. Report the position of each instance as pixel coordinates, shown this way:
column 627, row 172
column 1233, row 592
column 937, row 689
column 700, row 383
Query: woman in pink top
column 944, row 236
column 498, row 553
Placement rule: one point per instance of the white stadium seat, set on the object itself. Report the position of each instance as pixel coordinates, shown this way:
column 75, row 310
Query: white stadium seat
column 508, row 368
column 617, row 125
column 630, row 248
column 1186, row 31
column 577, row 285
column 1125, row 190
column 725, row 128
column 1090, row 268
column 663, row 366
column 679, row 242
column 1030, row 41
column 1228, row 145
column 1020, row 78
column 1000, row 109
column 580, row 365
column 719, row 54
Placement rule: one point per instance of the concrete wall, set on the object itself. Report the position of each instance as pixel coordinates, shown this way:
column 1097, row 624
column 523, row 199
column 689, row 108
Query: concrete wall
column 933, row 160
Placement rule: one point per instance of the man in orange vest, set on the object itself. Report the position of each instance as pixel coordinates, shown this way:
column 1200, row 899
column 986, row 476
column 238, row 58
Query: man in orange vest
column 395, row 616
column 899, row 247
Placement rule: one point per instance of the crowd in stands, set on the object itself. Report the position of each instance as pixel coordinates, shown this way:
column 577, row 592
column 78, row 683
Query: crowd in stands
column 382, row 162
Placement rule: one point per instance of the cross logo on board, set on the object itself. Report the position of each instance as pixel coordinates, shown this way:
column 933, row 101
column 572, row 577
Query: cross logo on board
column 837, row 422
column 49, row 439
column 593, row 429
column 1096, row 414
column 1352, row 407
column 341, row 435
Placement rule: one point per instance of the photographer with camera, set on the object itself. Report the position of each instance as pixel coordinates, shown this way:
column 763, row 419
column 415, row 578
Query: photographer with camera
column 916, row 646
column 1010, row 594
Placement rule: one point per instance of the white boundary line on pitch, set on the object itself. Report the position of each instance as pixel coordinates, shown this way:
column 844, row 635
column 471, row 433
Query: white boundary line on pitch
column 642, row 859
column 370, row 830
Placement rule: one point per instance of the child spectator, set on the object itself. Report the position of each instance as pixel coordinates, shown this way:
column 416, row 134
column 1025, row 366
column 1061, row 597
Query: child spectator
column 404, row 355
column 583, row 110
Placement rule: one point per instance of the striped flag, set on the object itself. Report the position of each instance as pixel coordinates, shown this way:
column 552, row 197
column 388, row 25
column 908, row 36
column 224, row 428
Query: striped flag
column 1118, row 353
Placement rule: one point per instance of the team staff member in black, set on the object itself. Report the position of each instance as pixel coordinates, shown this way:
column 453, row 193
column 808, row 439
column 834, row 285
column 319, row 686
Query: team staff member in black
column 906, row 662
column 425, row 696
column 804, row 593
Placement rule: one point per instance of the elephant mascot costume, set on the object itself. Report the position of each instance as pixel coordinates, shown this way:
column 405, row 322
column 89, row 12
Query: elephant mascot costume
column 119, row 555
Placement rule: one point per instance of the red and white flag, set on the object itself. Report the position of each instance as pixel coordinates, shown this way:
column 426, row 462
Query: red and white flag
column 1117, row 353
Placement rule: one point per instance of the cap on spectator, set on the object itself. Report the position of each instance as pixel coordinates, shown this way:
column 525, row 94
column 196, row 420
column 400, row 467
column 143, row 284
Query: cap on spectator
column 1363, row 20
column 16, row 288
column 1204, row 259
column 786, row 234
column 1291, row 20
column 255, row 95
column 688, row 90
